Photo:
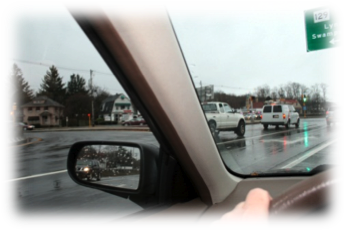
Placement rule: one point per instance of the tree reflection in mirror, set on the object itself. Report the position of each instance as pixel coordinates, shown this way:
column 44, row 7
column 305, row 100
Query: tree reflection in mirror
column 111, row 165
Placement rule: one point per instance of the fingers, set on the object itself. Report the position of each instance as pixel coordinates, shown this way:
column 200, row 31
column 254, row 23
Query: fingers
column 257, row 203
column 255, row 206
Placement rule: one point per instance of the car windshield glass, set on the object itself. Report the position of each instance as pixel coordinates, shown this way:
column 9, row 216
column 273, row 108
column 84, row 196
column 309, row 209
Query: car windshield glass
column 277, row 109
column 209, row 107
column 63, row 87
column 250, row 56
column 267, row 109
column 227, row 108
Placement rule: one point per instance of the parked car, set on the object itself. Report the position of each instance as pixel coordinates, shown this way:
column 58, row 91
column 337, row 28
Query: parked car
column 277, row 115
column 27, row 126
column 331, row 114
column 134, row 121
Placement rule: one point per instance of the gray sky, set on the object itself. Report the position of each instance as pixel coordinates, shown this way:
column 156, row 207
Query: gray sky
column 235, row 47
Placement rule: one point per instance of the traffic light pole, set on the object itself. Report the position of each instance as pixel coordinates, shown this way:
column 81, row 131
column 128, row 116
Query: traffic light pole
column 304, row 110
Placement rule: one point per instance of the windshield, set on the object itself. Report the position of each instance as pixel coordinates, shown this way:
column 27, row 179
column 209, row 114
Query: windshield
column 246, row 58
column 209, row 107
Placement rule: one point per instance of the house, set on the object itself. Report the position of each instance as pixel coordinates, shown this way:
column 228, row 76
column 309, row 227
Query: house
column 42, row 111
column 117, row 107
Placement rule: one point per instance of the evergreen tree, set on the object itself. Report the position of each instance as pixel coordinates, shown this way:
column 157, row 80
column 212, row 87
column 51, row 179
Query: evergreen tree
column 22, row 91
column 76, row 85
column 52, row 86
column 78, row 102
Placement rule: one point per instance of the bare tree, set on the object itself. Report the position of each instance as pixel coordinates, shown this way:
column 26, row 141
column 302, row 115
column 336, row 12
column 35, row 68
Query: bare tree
column 296, row 89
column 281, row 92
column 288, row 91
column 275, row 93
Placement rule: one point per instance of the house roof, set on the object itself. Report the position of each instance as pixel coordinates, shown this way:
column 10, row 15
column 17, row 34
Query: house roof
column 42, row 101
column 109, row 103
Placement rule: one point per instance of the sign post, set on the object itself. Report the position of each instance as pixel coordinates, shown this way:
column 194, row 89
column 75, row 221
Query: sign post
column 322, row 31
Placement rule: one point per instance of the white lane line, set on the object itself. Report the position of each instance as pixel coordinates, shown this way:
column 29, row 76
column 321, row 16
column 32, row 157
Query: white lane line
column 37, row 175
column 308, row 154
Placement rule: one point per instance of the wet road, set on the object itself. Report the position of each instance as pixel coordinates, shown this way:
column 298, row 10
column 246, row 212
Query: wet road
column 41, row 183
column 273, row 150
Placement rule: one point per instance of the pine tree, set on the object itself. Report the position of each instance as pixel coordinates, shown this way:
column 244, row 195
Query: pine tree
column 76, row 85
column 22, row 91
column 52, row 86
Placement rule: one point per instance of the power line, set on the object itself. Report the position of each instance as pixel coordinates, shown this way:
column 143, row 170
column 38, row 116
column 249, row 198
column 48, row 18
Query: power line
column 60, row 67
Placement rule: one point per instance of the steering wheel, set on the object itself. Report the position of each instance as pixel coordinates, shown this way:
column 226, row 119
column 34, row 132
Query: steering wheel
column 305, row 197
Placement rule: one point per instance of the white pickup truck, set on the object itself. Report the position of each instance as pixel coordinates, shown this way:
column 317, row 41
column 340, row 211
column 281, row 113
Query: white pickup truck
column 221, row 117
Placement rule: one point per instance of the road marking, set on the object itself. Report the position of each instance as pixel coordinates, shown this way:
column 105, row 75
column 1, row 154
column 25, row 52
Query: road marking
column 38, row 175
column 308, row 154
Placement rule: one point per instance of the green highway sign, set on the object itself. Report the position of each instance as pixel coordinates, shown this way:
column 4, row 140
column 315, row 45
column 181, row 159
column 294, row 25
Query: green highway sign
column 322, row 31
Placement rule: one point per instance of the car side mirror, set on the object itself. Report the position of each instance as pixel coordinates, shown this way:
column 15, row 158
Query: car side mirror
column 125, row 169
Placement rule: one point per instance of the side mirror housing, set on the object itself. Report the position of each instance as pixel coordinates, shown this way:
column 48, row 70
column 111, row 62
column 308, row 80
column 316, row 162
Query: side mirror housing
column 129, row 170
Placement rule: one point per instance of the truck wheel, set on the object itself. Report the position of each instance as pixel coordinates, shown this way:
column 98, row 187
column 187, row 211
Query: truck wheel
column 287, row 124
column 241, row 129
column 99, row 176
column 265, row 126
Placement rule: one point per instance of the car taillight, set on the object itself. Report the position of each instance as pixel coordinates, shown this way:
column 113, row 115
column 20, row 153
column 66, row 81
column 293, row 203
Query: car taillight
column 284, row 116
column 260, row 116
column 327, row 112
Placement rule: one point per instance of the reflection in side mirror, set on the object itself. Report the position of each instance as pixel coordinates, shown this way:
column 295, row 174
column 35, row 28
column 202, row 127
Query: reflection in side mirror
column 112, row 165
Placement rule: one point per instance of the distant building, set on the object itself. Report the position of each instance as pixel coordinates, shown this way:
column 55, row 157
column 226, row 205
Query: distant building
column 42, row 111
column 116, row 108
column 292, row 102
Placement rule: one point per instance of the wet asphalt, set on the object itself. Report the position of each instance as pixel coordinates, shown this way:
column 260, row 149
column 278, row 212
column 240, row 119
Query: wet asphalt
column 41, row 184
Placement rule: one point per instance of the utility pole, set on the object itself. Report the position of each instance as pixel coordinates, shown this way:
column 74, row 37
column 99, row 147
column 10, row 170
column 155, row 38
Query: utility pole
column 92, row 110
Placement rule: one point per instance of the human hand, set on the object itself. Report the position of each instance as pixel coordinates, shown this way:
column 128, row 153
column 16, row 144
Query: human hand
column 253, row 211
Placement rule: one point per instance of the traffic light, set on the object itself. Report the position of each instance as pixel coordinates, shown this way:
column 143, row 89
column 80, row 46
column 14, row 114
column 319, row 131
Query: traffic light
column 88, row 115
column 304, row 98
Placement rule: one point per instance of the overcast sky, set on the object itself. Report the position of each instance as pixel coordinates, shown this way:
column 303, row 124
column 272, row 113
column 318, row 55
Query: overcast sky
column 234, row 47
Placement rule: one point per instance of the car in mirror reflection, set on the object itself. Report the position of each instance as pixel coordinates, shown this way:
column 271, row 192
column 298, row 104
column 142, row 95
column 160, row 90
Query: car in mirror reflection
column 116, row 165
